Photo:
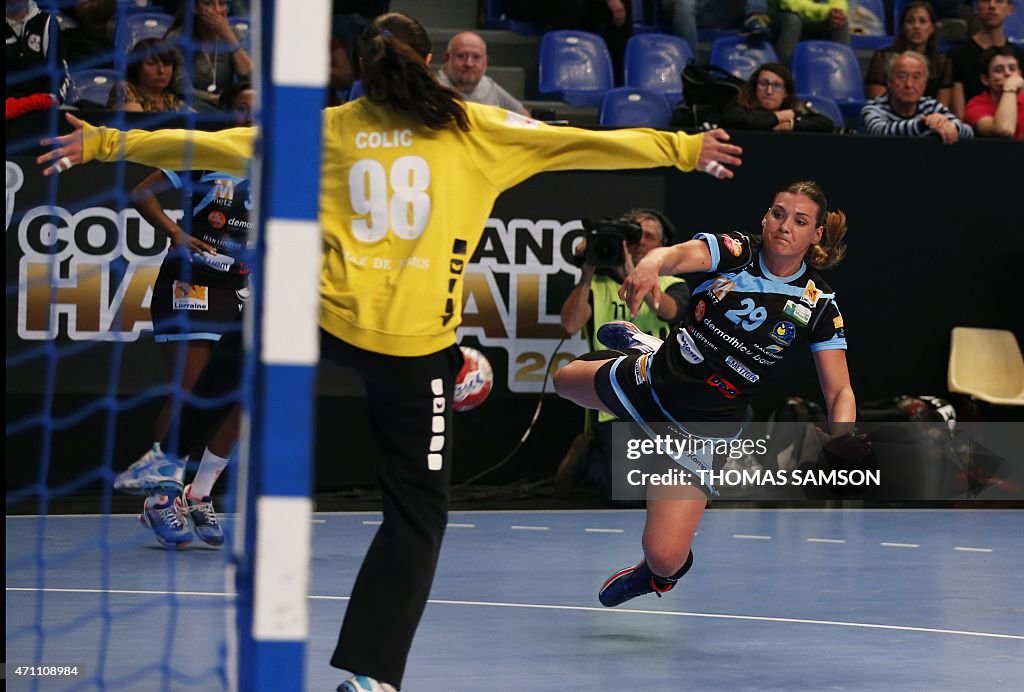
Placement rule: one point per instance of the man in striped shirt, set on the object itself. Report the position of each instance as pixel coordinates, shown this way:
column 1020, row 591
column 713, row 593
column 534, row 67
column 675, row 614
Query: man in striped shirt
column 904, row 111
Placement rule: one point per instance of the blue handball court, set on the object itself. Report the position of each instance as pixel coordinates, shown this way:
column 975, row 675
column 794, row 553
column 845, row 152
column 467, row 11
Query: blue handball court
column 777, row 600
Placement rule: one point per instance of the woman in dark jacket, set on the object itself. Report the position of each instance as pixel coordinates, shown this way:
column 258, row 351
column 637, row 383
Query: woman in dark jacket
column 768, row 102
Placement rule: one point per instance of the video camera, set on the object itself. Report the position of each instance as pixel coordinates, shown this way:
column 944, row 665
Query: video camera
column 604, row 241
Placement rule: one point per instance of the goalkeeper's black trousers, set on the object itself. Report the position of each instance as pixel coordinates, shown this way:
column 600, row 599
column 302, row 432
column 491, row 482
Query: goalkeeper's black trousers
column 410, row 407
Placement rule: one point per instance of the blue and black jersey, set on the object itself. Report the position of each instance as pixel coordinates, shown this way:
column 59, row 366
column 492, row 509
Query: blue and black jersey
column 741, row 321
column 220, row 206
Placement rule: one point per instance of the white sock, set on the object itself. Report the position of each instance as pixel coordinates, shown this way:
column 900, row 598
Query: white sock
column 210, row 468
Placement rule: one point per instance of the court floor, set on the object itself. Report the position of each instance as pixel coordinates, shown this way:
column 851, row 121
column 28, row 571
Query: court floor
column 776, row 600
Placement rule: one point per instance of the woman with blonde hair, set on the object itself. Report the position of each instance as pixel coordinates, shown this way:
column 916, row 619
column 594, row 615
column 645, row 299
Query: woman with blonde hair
column 762, row 296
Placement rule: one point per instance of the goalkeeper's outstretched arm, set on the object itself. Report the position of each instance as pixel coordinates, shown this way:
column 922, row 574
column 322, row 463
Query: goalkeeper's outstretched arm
column 228, row 150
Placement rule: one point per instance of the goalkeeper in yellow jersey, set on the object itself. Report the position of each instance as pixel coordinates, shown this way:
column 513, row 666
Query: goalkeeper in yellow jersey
column 410, row 173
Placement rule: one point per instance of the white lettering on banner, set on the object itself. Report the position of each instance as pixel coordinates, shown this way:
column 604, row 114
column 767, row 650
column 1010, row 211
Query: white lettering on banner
column 505, row 297
column 89, row 276
column 91, row 270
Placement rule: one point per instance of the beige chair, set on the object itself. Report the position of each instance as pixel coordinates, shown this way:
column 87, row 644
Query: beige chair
column 987, row 365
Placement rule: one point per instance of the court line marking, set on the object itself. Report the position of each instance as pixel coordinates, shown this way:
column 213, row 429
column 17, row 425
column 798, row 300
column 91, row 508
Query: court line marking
column 377, row 522
column 751, row 537
column 973, row 550
column 515, row 527
column 900, row 545
column 583, row 609
column 461, row 526
column 826, row 540
column 604, row 530
column 318, row 521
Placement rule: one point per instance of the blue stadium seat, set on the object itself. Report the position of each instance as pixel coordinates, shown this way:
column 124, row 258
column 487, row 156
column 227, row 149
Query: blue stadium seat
column 825, row 106
column 646, row 17
column 147, row 25
column 575, row 66
column 132, row 6
column 495, row 18
column 869, row 41
column 897, row 10
column 741, row 55
column 829, row 69
column 629, row 107
column 1014, row 26
column 655, row 62
column 92, row 86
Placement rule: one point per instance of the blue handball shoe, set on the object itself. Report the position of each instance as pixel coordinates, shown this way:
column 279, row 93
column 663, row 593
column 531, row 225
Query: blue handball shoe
column 362, row 683
column 622, row 336
column 167, row 521
column 631, row 582
column 204, row 519
column 154, row 474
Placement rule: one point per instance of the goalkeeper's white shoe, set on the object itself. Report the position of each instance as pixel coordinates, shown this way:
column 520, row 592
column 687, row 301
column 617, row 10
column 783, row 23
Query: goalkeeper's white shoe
column 154, row 474
column 362, row 683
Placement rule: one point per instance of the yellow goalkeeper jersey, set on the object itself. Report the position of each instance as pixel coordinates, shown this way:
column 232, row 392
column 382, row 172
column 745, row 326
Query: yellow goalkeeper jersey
column 402, row 207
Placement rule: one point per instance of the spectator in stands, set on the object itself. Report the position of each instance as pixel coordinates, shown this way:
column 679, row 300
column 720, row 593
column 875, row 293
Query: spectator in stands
column 967, row 84
column 593, row 302
column 612, row 19
column 35, row 73
column 218, row 58
column 796, row 20
column 768, row 101
column 88, row 33
column 917, row 32
column 148, row 80
column 751, row 16
column 905, row 111
column 465, row 62
column 349, row 18
column 999, row 111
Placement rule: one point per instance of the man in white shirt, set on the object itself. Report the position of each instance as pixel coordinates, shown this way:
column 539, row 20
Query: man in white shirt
column 465, row 62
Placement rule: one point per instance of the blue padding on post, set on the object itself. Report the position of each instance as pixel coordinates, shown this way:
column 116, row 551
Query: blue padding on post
column 287, row 431
column 295, row 196
column 279, row 666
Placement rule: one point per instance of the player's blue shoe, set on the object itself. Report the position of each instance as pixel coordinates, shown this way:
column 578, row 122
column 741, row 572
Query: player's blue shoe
column 362, row 683
column 154, row 474
column 631, row 582
column 167, row 521
column 622, row 336
column 204, row 519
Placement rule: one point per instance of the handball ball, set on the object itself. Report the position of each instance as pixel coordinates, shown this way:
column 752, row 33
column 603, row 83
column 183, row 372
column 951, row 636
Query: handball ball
column 474, row 381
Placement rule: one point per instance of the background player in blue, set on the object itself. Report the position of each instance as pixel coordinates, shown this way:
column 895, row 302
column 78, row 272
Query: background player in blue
column 762, row 296
column 197, row 298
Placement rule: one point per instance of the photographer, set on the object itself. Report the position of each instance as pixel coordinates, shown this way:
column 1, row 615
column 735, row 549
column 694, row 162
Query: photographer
column 594, row 301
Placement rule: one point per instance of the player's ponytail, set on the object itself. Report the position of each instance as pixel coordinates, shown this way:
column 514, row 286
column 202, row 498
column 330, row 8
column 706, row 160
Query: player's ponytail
column 831, row 249
column 393, row 53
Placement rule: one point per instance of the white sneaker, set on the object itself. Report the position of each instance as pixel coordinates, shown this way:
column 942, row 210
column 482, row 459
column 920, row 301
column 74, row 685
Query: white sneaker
column 154, row 474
